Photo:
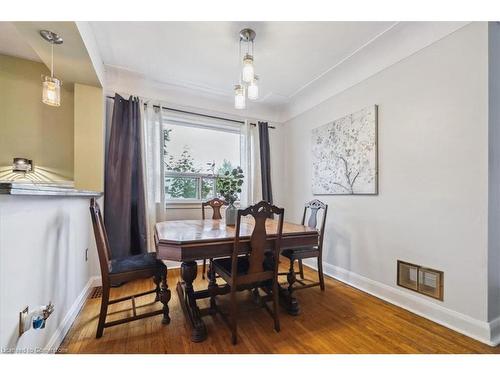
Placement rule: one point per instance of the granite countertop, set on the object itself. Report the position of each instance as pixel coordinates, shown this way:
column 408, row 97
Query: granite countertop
column 19, row 188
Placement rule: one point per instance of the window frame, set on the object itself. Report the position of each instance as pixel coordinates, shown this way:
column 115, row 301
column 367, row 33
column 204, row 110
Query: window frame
column 191, row 203
column 200, row 177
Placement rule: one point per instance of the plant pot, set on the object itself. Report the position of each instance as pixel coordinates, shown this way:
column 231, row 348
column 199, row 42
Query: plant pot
column 231, row 213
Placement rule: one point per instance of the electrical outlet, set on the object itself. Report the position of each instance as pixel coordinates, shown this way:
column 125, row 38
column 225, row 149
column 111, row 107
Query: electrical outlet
column 23, row 320
column 87, row 254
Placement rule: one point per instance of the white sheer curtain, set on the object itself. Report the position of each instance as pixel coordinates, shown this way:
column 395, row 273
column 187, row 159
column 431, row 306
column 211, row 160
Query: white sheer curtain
column 152, row 142
column 250, row 163
column 152, row 149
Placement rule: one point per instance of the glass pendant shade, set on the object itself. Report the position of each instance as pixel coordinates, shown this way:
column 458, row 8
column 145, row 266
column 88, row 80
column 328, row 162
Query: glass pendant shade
column 51, row 86
column 51, row 91
column 253, row 89
column 248, row 69
column 239, row 97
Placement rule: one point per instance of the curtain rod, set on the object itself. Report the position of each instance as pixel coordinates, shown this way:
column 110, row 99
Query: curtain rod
column 198, row 114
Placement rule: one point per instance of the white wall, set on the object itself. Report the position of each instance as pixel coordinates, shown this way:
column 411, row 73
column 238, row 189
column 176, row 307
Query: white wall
column 432, row 207
column 42, row 259
column 494, row 171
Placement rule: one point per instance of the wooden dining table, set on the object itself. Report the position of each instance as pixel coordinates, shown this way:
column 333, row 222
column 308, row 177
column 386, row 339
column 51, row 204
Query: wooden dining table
column 188, row 241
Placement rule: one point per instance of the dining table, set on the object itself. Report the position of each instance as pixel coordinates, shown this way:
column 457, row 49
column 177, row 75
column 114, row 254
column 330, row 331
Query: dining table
column 188, row 241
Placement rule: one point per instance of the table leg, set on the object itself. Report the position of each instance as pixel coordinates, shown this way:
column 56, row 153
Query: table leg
column 289, row 302
column 287, row 299
column 287, row 296
column 188, row 301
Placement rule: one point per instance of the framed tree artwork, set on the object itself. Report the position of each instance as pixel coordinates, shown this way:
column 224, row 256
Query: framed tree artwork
column 344, row 155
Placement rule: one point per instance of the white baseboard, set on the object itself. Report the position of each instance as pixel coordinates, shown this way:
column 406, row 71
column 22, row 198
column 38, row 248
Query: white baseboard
column 488, row 333
column 495, row 331
column 96, row 281
column 61, row 331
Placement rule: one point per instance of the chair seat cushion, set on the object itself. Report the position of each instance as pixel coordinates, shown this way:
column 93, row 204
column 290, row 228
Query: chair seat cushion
column 134, row 263
column 224, row 265
column 301, row 253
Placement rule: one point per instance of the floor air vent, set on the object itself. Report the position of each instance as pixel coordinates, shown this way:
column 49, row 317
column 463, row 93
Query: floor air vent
column 96, row 292
column 421, row 279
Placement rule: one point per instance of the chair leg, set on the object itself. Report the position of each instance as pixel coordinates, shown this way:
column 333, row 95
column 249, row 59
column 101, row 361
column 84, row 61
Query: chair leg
column 165, row 297
column 275, row 306
column 204, row 269
column 103, row 312
column 301, row 269
column 320, row 274
column 212, row 287
column 234, row 313
column 290, row 277
column 157, row 281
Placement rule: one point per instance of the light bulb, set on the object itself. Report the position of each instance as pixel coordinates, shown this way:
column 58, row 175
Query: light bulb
column 51, row 91
column 239, row 97
column 253, row 89
column 248, row 70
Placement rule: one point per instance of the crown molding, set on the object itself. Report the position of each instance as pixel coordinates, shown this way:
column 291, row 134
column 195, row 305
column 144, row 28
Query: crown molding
column 270, row 99
column 341, row 61
column 398, row 42
column 186, row 96
column 174, row 83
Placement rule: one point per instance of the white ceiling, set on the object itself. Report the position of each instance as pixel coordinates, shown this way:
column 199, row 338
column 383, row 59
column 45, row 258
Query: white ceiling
column 72, row 62
column 195, row 64
column 204, row 55
column 12, row 43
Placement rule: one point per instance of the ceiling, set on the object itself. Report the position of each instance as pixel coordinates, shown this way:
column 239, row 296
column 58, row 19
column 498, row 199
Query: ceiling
column 204, row 55
column 196, row 64
column 72, row 62
column 12, row 43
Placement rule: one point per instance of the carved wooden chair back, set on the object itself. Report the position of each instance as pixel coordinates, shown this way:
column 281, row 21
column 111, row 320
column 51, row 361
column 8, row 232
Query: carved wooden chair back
column 101, row 239
column 258, row 255
column 314, row 207
column 216, row 205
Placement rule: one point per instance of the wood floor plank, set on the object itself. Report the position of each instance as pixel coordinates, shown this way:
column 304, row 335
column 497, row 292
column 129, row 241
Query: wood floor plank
column 340, row 320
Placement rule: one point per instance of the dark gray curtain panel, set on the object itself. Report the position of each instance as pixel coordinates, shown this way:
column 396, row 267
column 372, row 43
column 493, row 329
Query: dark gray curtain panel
column 265, row 162
column 124, row 202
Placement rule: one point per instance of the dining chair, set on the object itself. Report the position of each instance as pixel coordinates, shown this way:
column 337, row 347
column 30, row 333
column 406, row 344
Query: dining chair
column 256, row 268
column 216, row 204
column 119, row 271
column 301, row 253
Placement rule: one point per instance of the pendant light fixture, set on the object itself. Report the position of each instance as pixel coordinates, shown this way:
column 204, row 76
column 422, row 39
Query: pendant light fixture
column 51, row 86
column 248, row 82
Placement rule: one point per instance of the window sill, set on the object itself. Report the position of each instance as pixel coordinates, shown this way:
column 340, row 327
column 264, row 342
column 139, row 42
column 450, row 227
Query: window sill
column 183, row 205
column 188, row 205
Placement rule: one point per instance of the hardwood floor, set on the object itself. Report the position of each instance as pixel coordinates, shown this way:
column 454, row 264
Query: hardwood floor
column 340, row 320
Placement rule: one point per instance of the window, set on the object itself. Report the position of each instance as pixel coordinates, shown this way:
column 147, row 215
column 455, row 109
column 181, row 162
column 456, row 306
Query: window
column 195, row 156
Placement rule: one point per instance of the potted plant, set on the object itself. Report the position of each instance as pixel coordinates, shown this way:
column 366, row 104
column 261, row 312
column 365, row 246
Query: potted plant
column 229, row 186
